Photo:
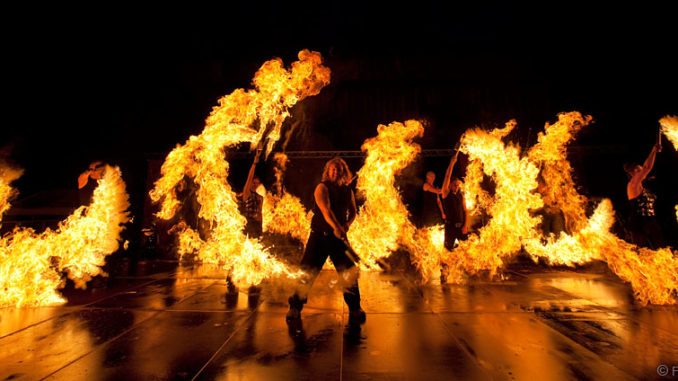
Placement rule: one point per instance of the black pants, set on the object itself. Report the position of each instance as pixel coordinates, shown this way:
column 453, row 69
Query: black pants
column 452, row 232
column 253, row 228
column 646, row 232
column 319, row 247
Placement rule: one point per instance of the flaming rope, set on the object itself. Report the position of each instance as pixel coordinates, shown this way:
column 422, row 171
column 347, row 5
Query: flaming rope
column 31, row 264
column 202, row 158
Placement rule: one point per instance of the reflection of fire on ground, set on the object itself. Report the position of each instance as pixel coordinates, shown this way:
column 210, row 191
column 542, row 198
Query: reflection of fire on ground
column 31, row 264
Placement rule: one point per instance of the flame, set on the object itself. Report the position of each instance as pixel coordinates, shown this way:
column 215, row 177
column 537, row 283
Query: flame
column 550, row 154
column 652, row 274
column 477, row 199
column 253, row 116
column 31, row 264
column 284, row 213
column 669, row 125
column 511, row 222
column 7, row 175
column 383, row 220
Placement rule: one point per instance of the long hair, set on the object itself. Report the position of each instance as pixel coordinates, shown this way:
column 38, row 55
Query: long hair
column 344, row 173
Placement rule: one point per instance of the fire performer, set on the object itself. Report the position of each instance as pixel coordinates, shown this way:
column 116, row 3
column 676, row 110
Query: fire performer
column 456, row 215
column 252, row 200
column 643, row 224
column 334, row 211
column 432, row 209
column 86, row 187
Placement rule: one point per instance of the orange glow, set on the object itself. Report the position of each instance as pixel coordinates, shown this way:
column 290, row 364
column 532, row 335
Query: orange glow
column 255, row 117
column 31, row 264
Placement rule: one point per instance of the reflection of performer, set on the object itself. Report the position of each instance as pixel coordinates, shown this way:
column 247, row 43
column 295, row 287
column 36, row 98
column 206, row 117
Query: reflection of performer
column 334, row 210
column 643, row 224
column 85, row 186
column 252, row 200
column 432, row 209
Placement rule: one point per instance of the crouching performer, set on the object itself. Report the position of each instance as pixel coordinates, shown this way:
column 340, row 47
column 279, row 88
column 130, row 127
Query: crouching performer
column 333, row 211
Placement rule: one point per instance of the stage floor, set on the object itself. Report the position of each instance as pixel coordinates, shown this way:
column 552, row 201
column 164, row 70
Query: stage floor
column 163, row 321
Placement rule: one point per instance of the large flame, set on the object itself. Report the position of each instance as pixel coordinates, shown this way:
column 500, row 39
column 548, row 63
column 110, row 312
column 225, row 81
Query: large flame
column 511, row 221
column 284, row 213
column 669, row 125
column 383, row 220
column 551, row 156
column 31, row 263
column 253, row 116
column 7, row 175
column 652, row 274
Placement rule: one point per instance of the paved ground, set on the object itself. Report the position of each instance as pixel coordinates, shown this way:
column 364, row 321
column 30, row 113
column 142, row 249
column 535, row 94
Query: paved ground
column 169, row 322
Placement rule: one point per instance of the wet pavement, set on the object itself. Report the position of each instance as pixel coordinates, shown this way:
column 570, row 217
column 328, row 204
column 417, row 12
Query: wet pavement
column 162, row 321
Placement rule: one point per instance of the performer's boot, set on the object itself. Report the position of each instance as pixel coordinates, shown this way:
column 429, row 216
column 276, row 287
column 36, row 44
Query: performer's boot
column 296, row 305
column 352, row 299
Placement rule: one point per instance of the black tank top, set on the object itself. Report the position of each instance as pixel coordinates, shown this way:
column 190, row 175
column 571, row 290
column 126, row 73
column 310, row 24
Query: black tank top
column 453, row 205
column 643, row 205
column 340, row 199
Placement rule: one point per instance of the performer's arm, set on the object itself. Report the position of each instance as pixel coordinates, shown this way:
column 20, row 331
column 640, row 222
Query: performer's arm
column 448, row 175
column 636, row 181
column 250, row 177
column 440, row 206
column 430, row 188
column 322, row 198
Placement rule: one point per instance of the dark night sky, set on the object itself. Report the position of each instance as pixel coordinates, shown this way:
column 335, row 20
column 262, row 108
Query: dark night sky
column 123, row 82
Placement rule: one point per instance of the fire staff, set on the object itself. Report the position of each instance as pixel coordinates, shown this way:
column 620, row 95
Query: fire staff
column 643, row 224
column 333, row 212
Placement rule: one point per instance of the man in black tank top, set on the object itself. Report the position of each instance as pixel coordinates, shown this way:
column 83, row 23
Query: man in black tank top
column 456, row 215
column 333, row 211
